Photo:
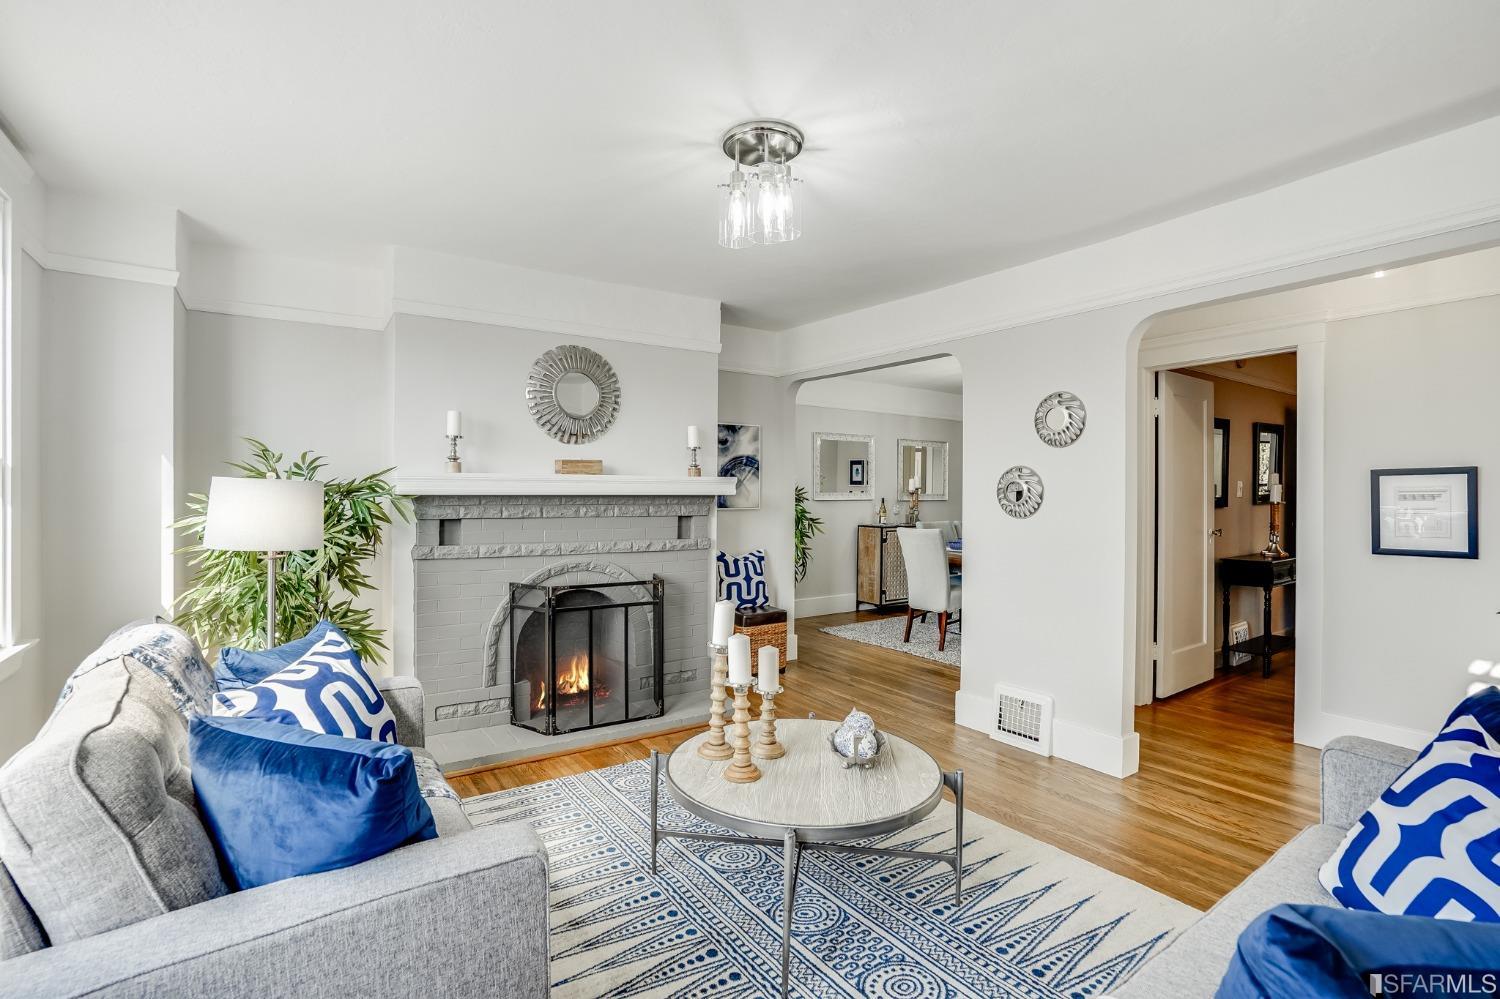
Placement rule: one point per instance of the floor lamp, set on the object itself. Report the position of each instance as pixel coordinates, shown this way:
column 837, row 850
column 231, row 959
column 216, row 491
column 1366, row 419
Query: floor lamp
column 274, row 516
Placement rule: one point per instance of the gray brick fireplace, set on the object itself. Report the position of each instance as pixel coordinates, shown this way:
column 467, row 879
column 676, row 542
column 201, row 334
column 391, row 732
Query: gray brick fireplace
column 470, row 549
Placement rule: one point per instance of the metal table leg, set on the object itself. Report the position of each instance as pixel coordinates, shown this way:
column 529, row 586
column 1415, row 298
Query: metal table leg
column 791, row 860
column 955, row 782
column 655, row 835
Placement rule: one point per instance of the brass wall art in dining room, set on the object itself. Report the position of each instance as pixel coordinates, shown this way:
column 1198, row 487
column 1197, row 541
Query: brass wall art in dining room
column 573, row 394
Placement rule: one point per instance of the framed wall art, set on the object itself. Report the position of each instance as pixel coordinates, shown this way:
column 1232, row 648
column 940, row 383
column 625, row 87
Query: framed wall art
column 1429, row 512
column 739, row 459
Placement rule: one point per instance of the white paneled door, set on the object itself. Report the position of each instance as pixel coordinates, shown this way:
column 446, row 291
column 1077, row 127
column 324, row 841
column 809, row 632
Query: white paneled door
column 1185, row 510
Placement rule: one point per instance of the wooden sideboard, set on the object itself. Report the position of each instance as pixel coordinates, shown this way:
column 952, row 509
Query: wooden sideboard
column 880, row 571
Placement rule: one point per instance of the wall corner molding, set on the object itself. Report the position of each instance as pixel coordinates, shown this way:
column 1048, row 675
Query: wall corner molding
column 113, row 269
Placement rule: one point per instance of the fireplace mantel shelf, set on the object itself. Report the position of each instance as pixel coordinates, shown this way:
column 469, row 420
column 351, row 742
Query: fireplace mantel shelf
column 484, row 484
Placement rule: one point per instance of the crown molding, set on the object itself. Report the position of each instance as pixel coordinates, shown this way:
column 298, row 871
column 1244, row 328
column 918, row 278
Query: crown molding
column 114, row 269
column 13, row 162
column 286, row 313
column 1244, row 378
column 544, row 324
column 1484, row 213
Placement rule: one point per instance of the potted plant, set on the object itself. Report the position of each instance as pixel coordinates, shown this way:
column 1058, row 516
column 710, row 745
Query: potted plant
column 805, row 526
column 226, row 604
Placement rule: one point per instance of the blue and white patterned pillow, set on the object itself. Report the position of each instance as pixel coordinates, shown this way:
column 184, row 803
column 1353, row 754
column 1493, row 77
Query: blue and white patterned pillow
column 327, row 690
column 743, row 579
column 1430, row 844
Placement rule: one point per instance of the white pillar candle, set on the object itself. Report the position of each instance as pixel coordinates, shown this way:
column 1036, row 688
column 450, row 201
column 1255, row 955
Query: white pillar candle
column 455, row 423
column 768, row 669
column 723, row 621
column 1275, row 492
column 739, row 660
column 693, row 437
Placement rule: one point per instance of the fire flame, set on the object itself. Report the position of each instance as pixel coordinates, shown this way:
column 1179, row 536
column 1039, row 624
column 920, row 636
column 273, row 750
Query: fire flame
column 573, row 678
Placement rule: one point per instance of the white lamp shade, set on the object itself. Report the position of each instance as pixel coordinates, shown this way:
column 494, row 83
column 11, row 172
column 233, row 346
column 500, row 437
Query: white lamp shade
column 264, row 515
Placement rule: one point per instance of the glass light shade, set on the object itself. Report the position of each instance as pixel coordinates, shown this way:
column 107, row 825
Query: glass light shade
column 735, row 229
column 264, row 515
column 775, row 209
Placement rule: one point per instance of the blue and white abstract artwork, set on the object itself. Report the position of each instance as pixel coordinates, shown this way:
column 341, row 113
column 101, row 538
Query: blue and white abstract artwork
column 1034, row 920
column 739, row 459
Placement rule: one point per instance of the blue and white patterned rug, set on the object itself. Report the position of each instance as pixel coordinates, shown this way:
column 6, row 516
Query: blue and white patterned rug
column 1034, row 921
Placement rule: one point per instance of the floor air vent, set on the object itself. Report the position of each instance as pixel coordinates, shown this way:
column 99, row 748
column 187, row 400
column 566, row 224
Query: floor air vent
column 1023, row 718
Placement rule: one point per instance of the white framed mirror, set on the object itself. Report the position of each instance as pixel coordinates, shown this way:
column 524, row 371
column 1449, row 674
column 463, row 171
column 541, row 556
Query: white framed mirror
column 843, row 466
column 926, row 463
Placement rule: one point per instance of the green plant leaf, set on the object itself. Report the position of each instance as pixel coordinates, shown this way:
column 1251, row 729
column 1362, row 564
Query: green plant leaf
column 226, row 603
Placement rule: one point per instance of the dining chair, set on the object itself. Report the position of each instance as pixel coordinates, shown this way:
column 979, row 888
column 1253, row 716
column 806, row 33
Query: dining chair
column 929, row 590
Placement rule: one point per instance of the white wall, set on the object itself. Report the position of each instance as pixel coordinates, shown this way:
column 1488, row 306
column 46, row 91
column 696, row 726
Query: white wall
column 757, row 399
column 297, row 387
column 442, row 364
column 107, row 432
column 1409, row 389
column 28, row 692
column 829, row 585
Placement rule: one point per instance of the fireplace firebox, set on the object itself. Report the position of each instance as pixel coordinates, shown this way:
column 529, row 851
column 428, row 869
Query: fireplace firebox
column 586, row 655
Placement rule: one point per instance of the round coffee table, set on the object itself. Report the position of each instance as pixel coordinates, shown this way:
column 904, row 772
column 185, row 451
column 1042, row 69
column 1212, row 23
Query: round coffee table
column 806, row 800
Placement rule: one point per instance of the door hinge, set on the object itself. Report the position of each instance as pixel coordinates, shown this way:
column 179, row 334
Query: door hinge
column 1156, row 652
column 1156, row 407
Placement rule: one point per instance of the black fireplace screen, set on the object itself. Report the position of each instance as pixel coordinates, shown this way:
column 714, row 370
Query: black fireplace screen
column 585, row 655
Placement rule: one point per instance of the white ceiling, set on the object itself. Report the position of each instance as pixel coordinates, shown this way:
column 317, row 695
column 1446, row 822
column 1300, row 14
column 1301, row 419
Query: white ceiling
column 945, row 140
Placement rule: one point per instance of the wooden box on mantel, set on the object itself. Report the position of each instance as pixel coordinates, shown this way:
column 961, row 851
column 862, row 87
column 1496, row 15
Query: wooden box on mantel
column 578, row 466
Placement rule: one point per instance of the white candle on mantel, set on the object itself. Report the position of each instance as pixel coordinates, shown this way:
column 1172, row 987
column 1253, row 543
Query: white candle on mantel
column 723, row 621
column 455, row 423
column 693, row 437
column 768, row 669
column 739, row 660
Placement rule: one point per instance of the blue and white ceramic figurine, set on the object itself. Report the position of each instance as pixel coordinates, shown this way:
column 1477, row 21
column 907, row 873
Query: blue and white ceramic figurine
column 857, row 741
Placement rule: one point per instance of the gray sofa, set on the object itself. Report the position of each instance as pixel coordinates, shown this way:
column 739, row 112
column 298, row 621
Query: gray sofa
column 1354, row 773
column 109, row 884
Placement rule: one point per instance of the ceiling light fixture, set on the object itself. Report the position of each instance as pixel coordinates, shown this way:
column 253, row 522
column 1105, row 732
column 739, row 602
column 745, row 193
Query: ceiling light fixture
column 758, row 206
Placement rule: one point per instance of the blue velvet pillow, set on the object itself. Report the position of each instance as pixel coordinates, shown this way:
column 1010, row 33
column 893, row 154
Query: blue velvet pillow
column 236, row 669
column 1320, row 950
column 280, row 801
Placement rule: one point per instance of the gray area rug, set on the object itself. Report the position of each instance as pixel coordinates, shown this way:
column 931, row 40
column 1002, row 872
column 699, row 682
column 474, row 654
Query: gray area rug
column 1034, row 922
column 887, row 633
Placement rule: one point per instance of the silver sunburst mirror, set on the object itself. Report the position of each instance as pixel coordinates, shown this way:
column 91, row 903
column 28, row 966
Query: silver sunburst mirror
column 1019, row 492
column 573, row 394
column 1060, row 418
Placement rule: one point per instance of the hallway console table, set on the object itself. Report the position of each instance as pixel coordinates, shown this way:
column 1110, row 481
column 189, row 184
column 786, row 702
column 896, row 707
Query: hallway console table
column 1266, row 574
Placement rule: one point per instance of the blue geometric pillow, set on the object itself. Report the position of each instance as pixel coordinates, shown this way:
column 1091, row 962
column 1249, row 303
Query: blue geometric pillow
column 1430, row 845
column 326, row 690
column 237, row 669
column 743, row 579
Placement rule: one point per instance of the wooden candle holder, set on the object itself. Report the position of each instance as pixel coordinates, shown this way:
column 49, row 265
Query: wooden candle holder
column 742, row 770
column 766, row 746
column 714, row 747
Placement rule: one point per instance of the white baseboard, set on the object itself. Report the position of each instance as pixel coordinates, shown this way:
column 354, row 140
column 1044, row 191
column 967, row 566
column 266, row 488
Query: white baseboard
column 834, row 603
column 1324, row 726
column 974, row 711
column 1117, row 756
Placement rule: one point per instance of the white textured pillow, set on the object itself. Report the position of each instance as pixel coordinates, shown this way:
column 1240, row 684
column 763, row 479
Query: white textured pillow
column 327, row 690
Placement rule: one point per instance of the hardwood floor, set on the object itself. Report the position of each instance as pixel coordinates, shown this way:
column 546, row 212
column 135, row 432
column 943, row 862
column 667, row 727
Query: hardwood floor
column 1220, row 787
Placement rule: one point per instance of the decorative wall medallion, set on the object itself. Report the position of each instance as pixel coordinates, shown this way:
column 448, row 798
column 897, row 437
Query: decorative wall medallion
column 1060, row 418
column 1019, row 492
column 573, row 394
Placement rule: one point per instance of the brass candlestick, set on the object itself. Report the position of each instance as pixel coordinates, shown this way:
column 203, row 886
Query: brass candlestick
column 1273, row 547
column 714, row 747
column 742, row 770
column 766, row 747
